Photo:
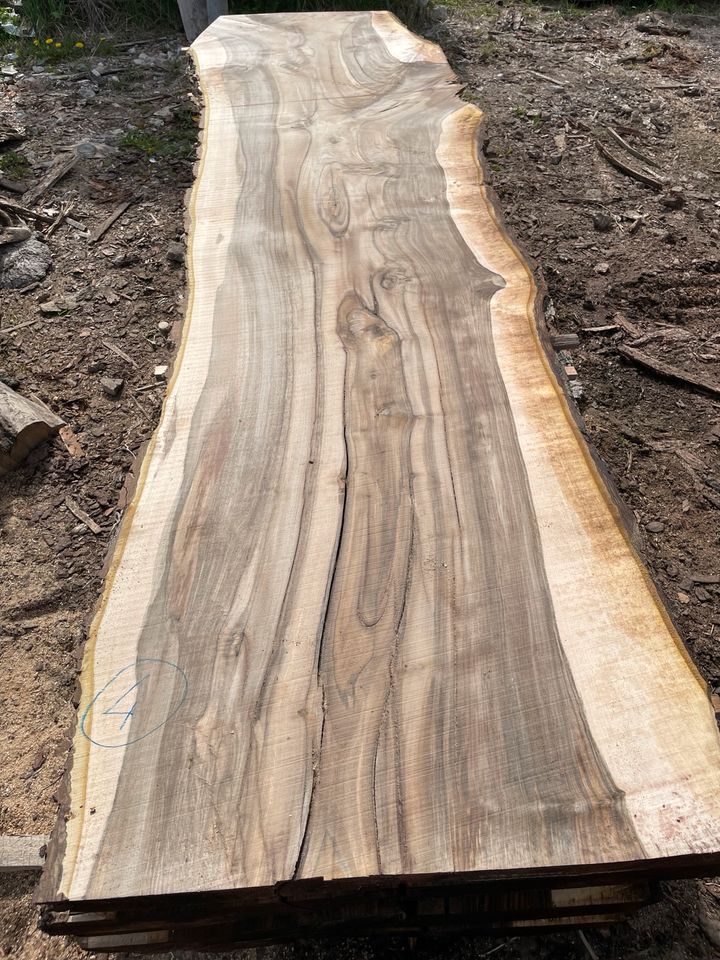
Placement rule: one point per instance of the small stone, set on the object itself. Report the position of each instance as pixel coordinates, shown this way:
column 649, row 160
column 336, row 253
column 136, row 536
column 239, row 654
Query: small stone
column 160, row 372
column 24, row 263
column 164, row 326
column 124, row 260
column 603, row 222
column 672, row 571
column 674, row 199
column 15, row 234
column 9, row 381
column 96, row 366
column 176, row 252
column 703, row 595
column 571, row 372
column 91, row 148
column 112, row 387
column 655, row 526
column 707, row 578
column 51, row 308
column 602, row 268
column 683, row 598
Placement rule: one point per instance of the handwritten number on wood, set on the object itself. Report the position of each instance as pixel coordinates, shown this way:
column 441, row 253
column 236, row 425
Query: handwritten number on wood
column 135, row 702
column 125, row 714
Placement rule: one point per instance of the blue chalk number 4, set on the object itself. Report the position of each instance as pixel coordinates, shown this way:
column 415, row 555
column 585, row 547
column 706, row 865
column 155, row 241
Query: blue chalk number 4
column 137, row 710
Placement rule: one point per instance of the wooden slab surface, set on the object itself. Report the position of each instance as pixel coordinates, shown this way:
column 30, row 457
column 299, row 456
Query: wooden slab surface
column 372, row 610
column 22, row 853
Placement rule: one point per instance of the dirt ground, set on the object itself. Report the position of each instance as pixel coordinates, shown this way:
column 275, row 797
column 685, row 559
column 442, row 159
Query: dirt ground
column 641, row 262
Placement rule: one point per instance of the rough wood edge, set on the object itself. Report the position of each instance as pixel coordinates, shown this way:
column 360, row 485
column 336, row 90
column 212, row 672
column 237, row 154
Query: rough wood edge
column 621, row 513
column 49, row 883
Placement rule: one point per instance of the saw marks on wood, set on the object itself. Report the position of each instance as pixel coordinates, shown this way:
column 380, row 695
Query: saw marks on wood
column 372, row 610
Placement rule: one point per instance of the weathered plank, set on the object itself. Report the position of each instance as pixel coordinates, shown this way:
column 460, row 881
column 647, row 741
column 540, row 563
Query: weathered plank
column 373, row 610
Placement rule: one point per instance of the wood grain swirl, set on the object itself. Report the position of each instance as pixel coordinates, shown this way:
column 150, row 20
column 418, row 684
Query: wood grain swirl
column 372, row 611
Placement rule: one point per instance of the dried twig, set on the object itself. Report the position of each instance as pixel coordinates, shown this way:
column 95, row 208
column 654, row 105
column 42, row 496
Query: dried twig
column 588, row 946
column 657, row 29
column 18, row 326
column 121, row 353
column 542, row 76
column 675, row 86
column 142, row 409
column 24, row 212
column 57, row 171
column 630, row 149
column 139, row 43
column 59, row 219
column 83, row 517
column 500, row 946
column 103, row 228
column 670, row 372
column 614, row 161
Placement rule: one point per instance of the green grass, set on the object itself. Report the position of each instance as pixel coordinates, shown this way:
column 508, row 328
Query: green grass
column 177, row 141
column 53, row 48
column 99, row 16
column 14, row 165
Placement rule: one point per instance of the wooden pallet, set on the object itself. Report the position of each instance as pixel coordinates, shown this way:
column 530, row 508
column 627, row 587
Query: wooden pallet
column 376, row 651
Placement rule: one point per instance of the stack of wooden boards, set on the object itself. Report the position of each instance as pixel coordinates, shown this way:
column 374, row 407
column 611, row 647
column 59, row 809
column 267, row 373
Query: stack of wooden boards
column 376, row 652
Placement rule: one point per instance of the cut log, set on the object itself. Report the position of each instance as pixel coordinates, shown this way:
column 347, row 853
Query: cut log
column 24, row 424
column 375, row 652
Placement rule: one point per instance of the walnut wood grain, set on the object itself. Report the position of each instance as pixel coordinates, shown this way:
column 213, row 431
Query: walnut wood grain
column 373, row 610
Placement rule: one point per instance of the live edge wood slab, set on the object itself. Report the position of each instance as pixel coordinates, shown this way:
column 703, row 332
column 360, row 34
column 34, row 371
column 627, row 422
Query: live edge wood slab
column 374, row 623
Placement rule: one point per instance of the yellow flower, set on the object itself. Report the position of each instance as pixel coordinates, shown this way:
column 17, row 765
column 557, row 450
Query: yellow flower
column 58, row 44
column 36, row 42
column 48, row 40
column 79, row 44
